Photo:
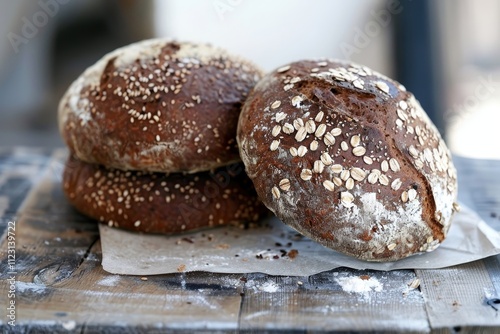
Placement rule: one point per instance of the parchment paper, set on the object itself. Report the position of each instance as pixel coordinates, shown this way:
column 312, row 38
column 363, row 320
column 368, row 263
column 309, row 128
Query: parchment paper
column 276, row 249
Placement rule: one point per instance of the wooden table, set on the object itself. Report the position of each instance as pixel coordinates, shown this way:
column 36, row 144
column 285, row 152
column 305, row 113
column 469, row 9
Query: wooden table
column 61, row 286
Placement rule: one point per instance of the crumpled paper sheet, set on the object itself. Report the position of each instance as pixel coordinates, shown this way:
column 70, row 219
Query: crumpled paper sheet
column 276, row 249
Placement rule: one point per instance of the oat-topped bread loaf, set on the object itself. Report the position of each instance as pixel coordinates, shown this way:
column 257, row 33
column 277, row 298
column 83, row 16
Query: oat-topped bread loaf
column 347, row 157
column 158, row 105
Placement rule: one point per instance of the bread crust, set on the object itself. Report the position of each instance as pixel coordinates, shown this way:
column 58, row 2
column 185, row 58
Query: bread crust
column 158, row 105
column 161, row 203
column 347, row 157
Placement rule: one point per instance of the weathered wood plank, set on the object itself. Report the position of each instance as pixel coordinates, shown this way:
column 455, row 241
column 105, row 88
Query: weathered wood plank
column 324, row 302
column 456, row 296
column 479, row 187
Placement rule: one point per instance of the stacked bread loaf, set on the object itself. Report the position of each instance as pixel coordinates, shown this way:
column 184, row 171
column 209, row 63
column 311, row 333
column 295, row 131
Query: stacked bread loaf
column 151, row 130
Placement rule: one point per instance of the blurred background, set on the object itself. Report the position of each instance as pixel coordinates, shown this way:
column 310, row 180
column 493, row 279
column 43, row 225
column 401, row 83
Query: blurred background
column 446, row 52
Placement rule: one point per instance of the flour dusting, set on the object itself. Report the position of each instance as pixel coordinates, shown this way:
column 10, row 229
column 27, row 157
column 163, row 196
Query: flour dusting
column 268, row 286
column 359, row 284
column 109, row 280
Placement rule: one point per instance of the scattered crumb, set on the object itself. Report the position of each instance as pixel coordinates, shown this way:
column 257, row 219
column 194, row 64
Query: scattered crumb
column 364, row 277
column 223, row 246
column 181, row 268
column 292, row 254
column 144, row 278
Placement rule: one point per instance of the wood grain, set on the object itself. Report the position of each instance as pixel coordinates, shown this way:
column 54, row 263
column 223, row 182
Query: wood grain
column 456, row 296
column 321, row 304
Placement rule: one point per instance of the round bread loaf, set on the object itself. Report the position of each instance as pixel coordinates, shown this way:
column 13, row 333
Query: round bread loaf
column 161, row 203
column 158, row 105
column 347, row 157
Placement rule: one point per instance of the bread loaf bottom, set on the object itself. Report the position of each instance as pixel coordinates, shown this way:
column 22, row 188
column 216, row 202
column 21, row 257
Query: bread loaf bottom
column 161, row 203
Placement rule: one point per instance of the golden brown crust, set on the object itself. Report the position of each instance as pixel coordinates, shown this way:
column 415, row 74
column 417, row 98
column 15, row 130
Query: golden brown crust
column 158, row 105
column 161, row 203
column 347, row 157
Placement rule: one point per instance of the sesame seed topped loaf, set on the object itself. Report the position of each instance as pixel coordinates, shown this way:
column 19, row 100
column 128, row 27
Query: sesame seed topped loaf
column 158, row 105
column 161, row 203
column 348, row 157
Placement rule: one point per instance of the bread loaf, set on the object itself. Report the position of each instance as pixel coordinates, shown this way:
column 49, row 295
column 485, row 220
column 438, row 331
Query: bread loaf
column 161, row 203
column 158, row 105
column 347, row 157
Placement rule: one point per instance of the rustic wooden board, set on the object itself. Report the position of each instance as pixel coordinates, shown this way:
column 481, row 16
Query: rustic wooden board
column 62, row 287
column 479, row 187
column 321, row 304
column 456, row 296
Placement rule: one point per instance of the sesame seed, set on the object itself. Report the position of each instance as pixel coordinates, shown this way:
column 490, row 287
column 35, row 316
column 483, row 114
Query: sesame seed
column 394, row 165
column 346, row 198
column 275, row 104
column 326, row 159
column 314, row 145
column 293, row 151
column 403, row 105
column 349, row 183
column 301, row 134
column 396, row 184
column 137, row 223
column 276, row 130
column 274, row 145
column 329, row 139
column 314, row 70
column 384, row 166
column 302, row 151
column 276, row 192
column 318, row 166
column 320, row 131
column 284, row 184
column 322, row 63
column 355, row 140
column 412, row 194
column 359, row 151
column 382, row 86
column 310, row 126
column 391, row 246
column 336, row 132
column 283, row 69
column 344, row 146
column 337, row 169
column 319, row 116
column 288, row 128
column 329, row 185
column 157, row 137
column 358, row 174
column 306, row 174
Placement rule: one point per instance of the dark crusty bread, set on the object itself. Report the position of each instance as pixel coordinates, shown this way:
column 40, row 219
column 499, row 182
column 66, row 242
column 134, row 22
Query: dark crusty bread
column 348, row 157
column 161, row 203
column 158, row 105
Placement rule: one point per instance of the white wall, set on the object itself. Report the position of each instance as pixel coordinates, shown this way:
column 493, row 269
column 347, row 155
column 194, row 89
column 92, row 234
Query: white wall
column 274, row 32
